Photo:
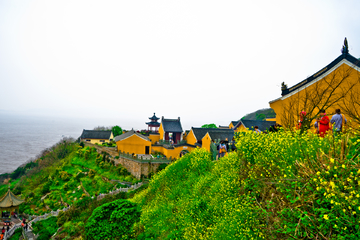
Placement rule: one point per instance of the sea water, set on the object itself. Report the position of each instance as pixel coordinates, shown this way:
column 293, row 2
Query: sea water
column 22, row 138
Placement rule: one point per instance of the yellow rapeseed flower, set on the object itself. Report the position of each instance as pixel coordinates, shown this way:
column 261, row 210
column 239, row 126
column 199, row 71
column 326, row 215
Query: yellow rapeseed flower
column 326, row 217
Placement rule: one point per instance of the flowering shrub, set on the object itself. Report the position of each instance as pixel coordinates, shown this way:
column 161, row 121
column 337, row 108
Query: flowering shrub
column 305, row 186
column 195, row 198
column 283, row 185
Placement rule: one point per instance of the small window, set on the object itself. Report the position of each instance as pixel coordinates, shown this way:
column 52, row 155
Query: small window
column 102, row 140
column 88, row 140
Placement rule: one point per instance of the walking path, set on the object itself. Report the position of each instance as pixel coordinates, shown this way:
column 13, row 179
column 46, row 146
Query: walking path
column 30, row 235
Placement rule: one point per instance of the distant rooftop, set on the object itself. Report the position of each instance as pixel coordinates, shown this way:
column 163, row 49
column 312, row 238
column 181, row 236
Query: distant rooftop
column 95, row 134
column 171, row 125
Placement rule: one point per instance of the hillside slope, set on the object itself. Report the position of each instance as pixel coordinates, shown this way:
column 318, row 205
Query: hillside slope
column 259, row 114
column 276, row 186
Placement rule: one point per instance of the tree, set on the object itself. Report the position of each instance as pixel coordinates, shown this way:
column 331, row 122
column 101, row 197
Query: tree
column 211, row 125
column 339, row 89
column 260, row 117
column 116, row 130
column 112, row 220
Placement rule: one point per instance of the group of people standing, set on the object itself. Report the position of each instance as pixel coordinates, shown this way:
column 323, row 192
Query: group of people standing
column 322, row 123
column 3, row 230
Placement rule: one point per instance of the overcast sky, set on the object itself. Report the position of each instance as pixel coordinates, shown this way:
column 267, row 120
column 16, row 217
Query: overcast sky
column 204, row 61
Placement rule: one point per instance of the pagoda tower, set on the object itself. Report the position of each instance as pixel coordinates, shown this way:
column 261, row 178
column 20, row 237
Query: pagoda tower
column 154, row 124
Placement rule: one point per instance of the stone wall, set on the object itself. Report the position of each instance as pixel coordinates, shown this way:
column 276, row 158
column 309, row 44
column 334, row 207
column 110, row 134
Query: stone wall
column 137, row 168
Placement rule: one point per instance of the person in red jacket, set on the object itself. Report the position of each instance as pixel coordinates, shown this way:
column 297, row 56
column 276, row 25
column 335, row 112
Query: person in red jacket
column 323, row 123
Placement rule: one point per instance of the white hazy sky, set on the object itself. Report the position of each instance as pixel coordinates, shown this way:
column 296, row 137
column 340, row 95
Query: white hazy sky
column 205, row 61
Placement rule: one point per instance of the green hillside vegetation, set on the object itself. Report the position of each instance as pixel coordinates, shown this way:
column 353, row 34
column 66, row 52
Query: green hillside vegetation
column 82, row 172
column 276, row 186
column 260, row 114
column 67, row 174
column 283, row 185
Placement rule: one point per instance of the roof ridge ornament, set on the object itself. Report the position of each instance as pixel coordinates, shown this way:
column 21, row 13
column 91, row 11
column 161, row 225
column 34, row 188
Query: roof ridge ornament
column 345, row 48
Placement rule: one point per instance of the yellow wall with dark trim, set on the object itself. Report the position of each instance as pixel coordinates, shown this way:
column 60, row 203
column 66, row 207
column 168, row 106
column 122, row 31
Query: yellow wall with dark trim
column 133, row 144
column 173, row 153
column 98, row 141
column 279, row 106
column 271, row 119
column 206, row 141
column 191, row 139
column 161, row 132
column 241, row 128
column 154, row 138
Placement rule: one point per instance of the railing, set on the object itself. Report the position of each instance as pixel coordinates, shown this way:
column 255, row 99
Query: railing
column 133, row 187
column 143, row 159
column 167, row 142
column 24, row 234
column 11, row 231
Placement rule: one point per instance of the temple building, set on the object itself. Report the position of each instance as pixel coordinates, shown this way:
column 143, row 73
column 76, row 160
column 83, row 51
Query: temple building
column 95, row 136
column 171, row 129
column 335, row 86
column 153, row 125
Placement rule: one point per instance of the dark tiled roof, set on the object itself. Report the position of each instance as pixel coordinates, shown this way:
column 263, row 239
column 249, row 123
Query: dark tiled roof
column 154, row 117
column 323, row 71
column 92, row 134
column 222, row 135
column 157, row 124
column 184, row 144
column 234, row 123
column 171, row 125
column 263, row 125
column 130, row 133
column 201, row 132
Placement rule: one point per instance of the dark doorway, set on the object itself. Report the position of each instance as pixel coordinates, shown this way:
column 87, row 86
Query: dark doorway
column 147, row 150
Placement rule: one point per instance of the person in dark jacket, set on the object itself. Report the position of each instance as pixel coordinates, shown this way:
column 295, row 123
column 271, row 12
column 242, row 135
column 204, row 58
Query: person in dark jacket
column 275, row 127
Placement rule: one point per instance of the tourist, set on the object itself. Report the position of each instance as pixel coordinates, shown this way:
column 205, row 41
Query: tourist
column 3, row 230
column 8, row 228
column 324, row 123
column 256, row 129
column 338, row 120
column 316, row 125
column 222, row 149
column 302, row 119
column 274, row 128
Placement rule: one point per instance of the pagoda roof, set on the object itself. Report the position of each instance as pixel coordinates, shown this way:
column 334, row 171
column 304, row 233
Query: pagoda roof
column 154, row 117
column 157, row 124
column 10, row 200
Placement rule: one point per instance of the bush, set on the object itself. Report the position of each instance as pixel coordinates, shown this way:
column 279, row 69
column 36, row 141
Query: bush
column 45, row 228
column 281, row 185
column 122, row 171
column 112, row 220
